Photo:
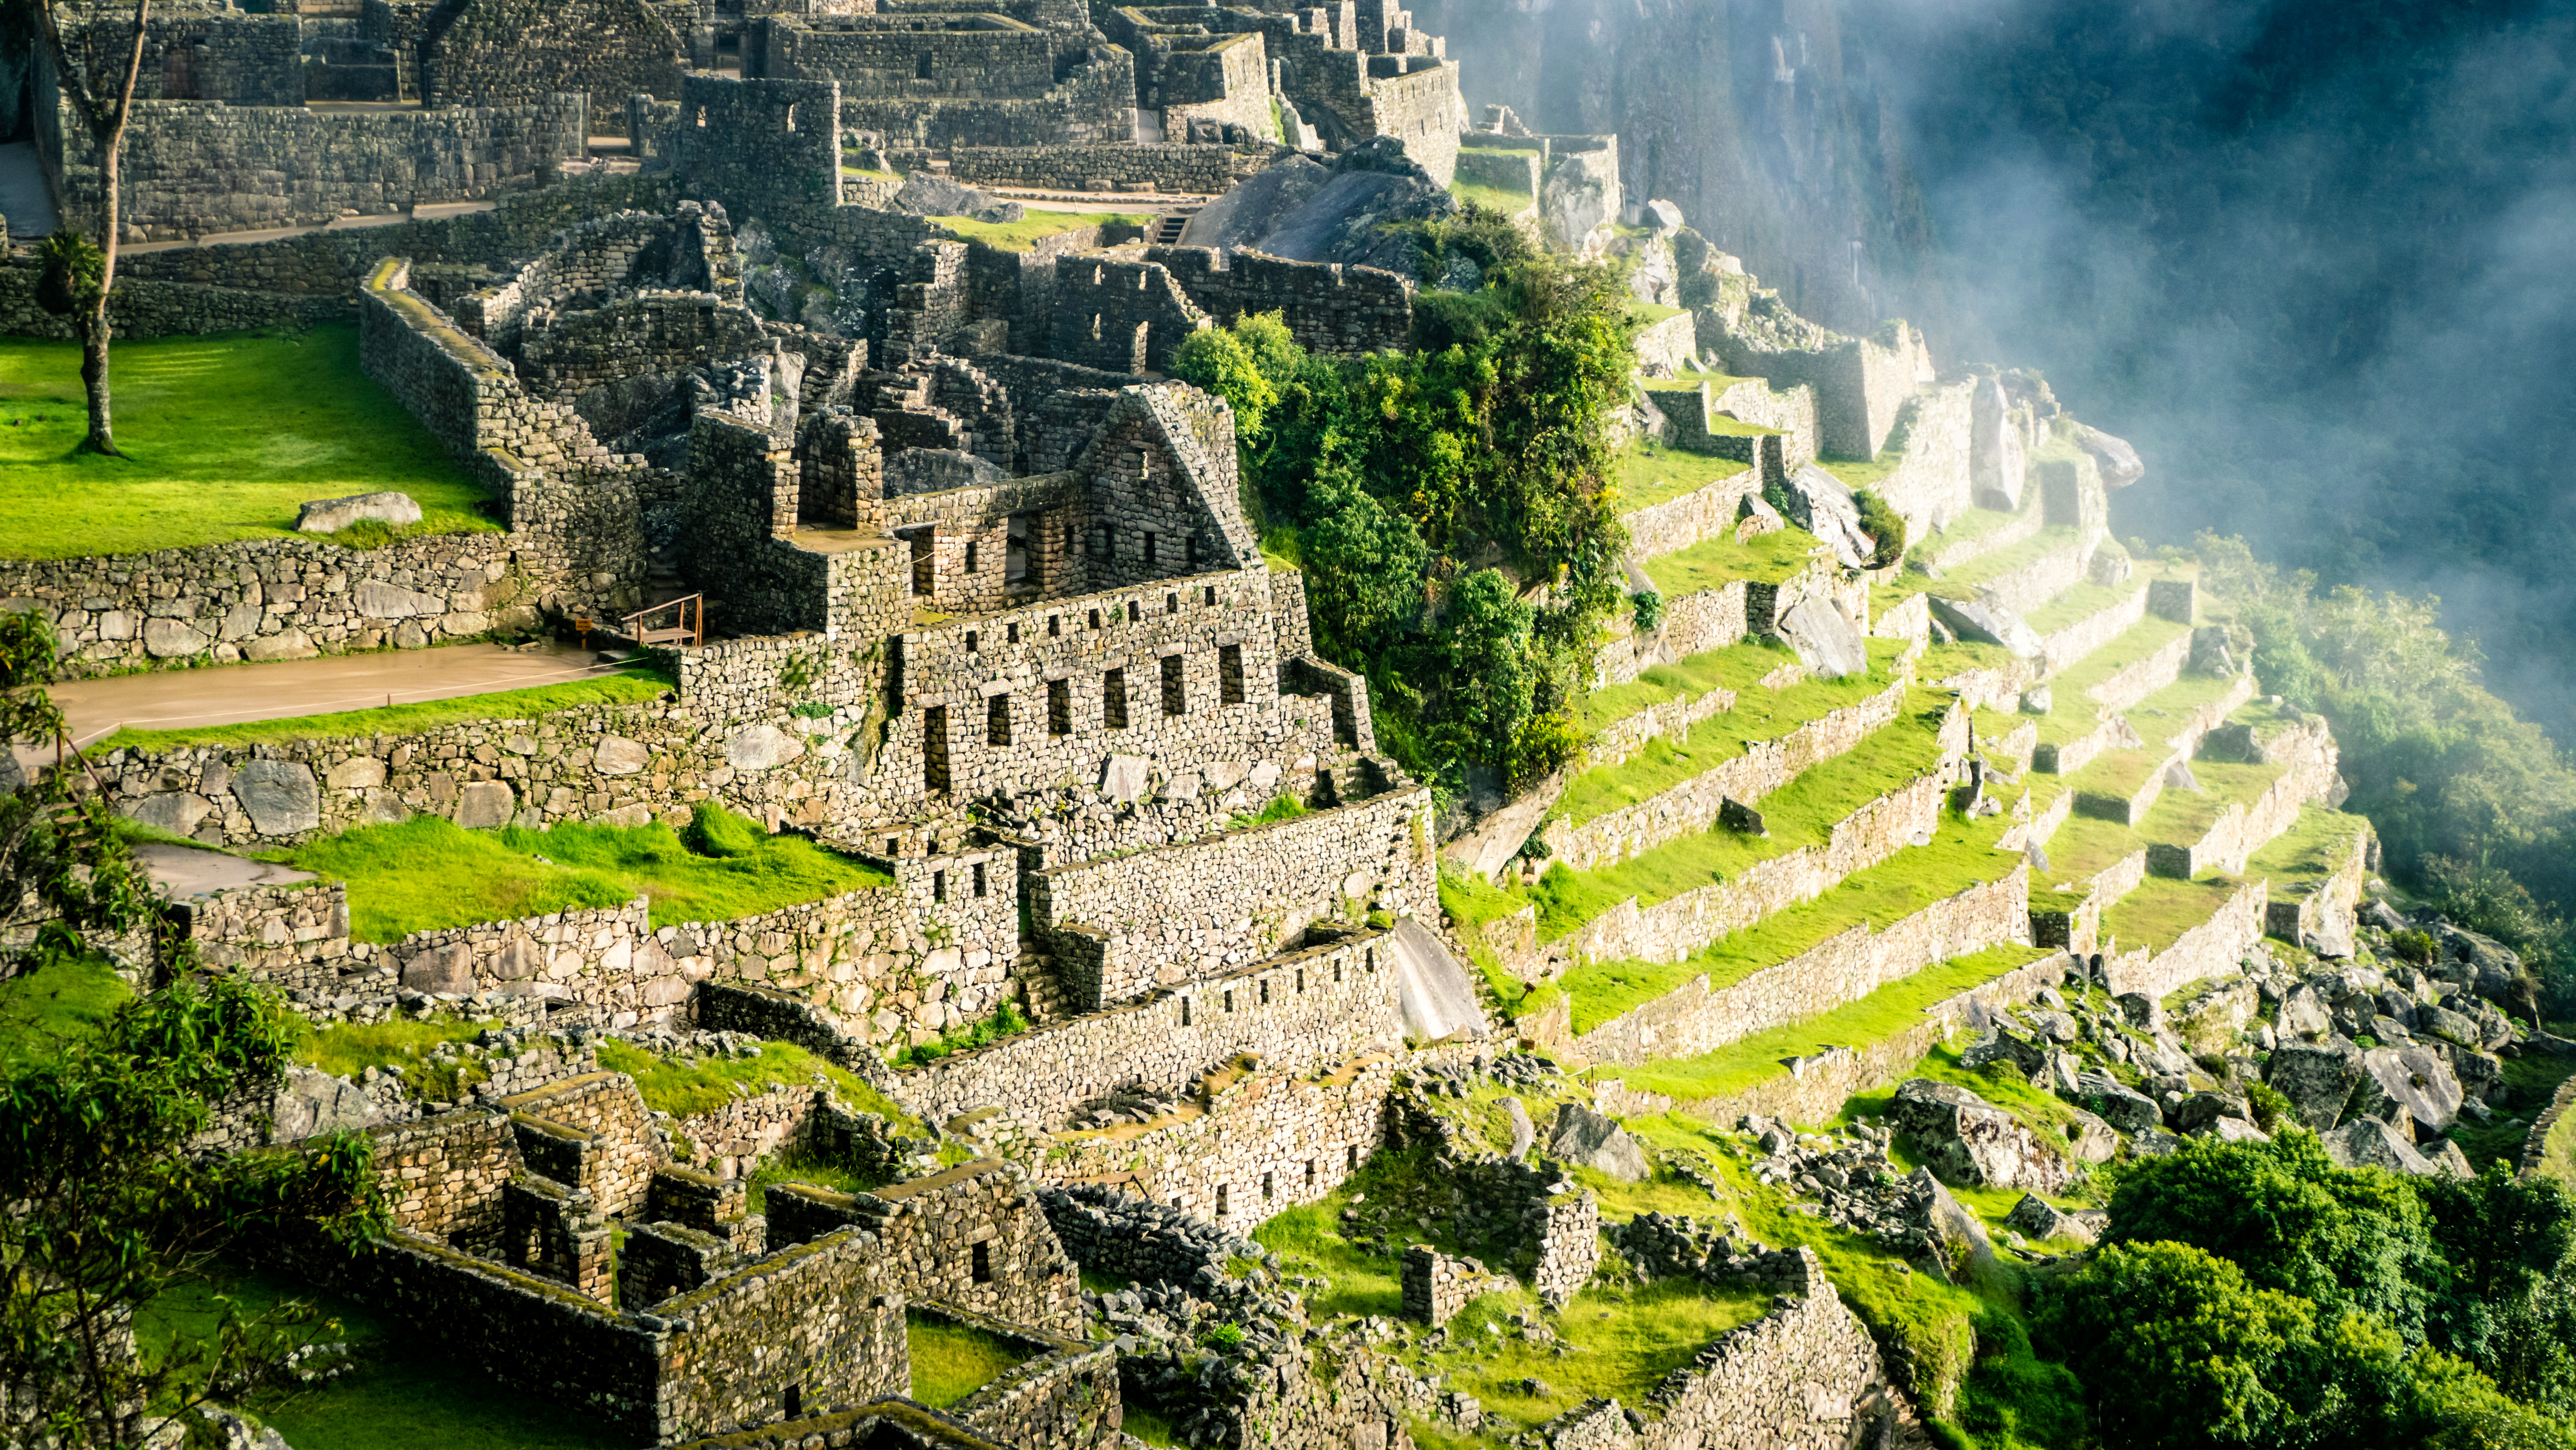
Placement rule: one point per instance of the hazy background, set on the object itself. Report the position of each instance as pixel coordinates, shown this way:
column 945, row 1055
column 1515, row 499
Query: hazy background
column 2316, row 258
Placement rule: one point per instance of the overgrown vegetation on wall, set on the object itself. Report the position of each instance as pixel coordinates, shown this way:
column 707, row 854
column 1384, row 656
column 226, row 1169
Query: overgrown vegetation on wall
column 1453, row 502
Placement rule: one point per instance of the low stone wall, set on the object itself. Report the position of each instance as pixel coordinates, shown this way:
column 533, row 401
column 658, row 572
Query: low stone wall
column 1294, row 1012
column 2031, row 585
column 1671, row 343
column 2137, row 681
column 2327, row 906
column 1624, row 737
column 1128, row 926
column 1063, row 1398
column 1765, row 766
column 2211, row 949
column 2535, row 1144
column 2244, row 828
column 1930, row 483
column 2030, row 520
column 1677, row 523
column 443, row 1175
column 1265, row 1142
column 1704, row 619
column 1815, row 1088
column 973, row 1236
column 2060, row 651
column 1125, row 1237
column 621, row 1145
column 1176, row 168
column 810, row 1316
column 1693, row 1018
column 1792, row 410
column 1795, row 1379
column 1331, row 309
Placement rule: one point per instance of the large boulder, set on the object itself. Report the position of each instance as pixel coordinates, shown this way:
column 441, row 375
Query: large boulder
column 2118, row 461
column 310, row 1103
column 1257, row 205
column 2006, row 1044
column 2198, row 1111
column 2124, row 1108
column 2480, row 963
column 331, row 515
column 1826, row 643
column 1970, row 1141
column 2089, row 1139
column 2036, row 1218
column 2317, row 1078
column 2370, row 1143
column 1995, row 461
column 1978, row 620
column 2417, row 1081
column 280, row 796
column 1586, row 1139
column 1580, row 199
column 1821, row 504
column 2303, row 1013
column 927, row 193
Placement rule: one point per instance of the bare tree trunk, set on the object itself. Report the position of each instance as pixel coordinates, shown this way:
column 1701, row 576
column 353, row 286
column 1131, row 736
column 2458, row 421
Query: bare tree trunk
column 107, row 130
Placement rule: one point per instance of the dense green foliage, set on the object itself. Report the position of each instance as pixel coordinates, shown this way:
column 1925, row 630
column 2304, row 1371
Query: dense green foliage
column 110, row 1208
column 1452, row 504
column 2256, row 1294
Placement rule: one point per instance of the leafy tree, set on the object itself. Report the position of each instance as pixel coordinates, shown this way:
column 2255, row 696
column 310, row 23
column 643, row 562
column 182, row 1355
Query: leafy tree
column 110, row 1208
column 2176, row 1348
column 2290, row 1220
column 1365, row 574
column 61, row 861
column 1883, row 524
column 77, row 277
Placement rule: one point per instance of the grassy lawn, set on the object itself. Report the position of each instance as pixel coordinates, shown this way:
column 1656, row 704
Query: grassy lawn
column 226, row 436
column 1801, row 813
column 2157, row 914
column 2077, row 605
column 1857, row 476
column 425, row 873
column 1737, row 667
column 1033, row 226
column 2308, row 852
column 402, row 1392
column 402, row 1047
column 2054, row 540
column 1493, row 198
column 1759, row 715
column 1647, row 314
column 2073, row 714
column 1649, row 474
column 1717, row 561
column 625, row 687
column 1973, row 524
column 64, row 997
column 685, row 1087
column 1626, row 1341
column 951, row 1361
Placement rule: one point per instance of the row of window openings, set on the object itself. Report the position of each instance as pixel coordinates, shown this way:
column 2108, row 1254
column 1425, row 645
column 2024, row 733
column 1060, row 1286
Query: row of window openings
column 1055, row 622
column 1104, row 542
column 1113, row 708
column 1226, row 998
column 1270, row 1181
column 939, row 879
column 980, row 1265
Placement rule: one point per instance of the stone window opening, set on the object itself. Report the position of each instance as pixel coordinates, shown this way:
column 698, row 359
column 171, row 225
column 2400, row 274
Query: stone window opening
column 997, row 719
column 702, row 118
column 1149, row 546
column 939, row 886
column 924, row 566
column 1229, row 999
column 1176, row 699
column 1068, row 541
column 1207, row 595
column 970, row 557
column 1011, row 633
column 1301, row 981
column 921, row 68
column 1310, row 1175
column 1265, row 991
column 1185, row 1011
column 1055, row 625
column 1135, row 613
column 1095, row 619
column 1220, row 1200
column 1172, row 603
column 979, row 879
column 983, row 1263
column 1113, row 699
column 970, row 641
column 1368, row 959
column 934, row 748
column 1016, row 533
column 1095, row 321
column 1059, row 707
column 894, row 845
column 1229, row 673
column 1337, row 969
column 795, row 1401
column 1351, row 1158
column 1269, row 1186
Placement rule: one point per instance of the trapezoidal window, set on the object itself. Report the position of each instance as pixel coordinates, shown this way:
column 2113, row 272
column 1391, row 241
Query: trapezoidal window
column 997, row 719
column 1113, row 700
column 1149, row 546
column 979, row 878
column 921, row 67
column 1176, row 694
column 970, row 556
column 1229, row 674
column 983, row 1263
column 1017, row 532
column 924, row 567
column 1059, row 707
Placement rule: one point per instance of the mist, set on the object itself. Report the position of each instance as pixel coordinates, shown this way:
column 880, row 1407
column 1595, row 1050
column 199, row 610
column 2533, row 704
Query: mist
column 2314, row 259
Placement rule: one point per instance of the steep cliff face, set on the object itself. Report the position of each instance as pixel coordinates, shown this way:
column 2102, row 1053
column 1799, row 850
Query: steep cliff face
column 1754, row 115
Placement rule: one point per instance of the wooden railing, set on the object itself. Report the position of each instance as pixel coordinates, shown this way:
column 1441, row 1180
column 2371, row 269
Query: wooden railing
column 688, row 622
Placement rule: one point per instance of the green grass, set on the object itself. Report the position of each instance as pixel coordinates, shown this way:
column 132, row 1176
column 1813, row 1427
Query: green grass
column 1033, row 226
column 1857, row 476
column 1737, row 667
column 797, row 1164
column 403, row 1392
column 61, row 998
column 1626, row 1341
column 425, row 873
column 2318, row 842
column 2019, row 554
column 1647, row 314
column 402, row 1047
column 202, row 467
column 2161, row 909
column 2077, row 605
column 1759, row 715
column 1717, row 561
column 1974, row 523
column 1801, row 813
column 1884, row 1013
column 686, row 1088
column 951, row 1361
column 2074, row 713
column 1494, row 198
column 2529, row 1082
column 1649, row 474
column 626, row 687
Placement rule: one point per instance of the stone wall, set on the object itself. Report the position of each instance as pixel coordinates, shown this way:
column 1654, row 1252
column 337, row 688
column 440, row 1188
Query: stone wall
column 808, row 1318
column 1930, row 484
column 2324, row 907
column 1295, row 1012
column 1624, row 737
column 1120, row 312
column 1331, row 309
column 193, row 168
column 2307, row 753
column 442, row 1176
column 1092, row 103
column 2028, row 586
column 2211, row 949
column 1676, row 524
column 972, row 1236
column 1693, row 1018
column 1063, row 1397
column 1192, row 911
column 617, row 1145
column 1791, row 410
column 1201, row 169
column 1860, row 384
column 1795, row 1379
column 1694, row 805
column 914, row 57
column 243, row 60
column 516, row 52
column 2062, row 649
column 1264, row 1142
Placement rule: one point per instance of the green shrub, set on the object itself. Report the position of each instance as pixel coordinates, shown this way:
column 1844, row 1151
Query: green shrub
column 1649, row 610
column 1883, row 524
column 2412, row 946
